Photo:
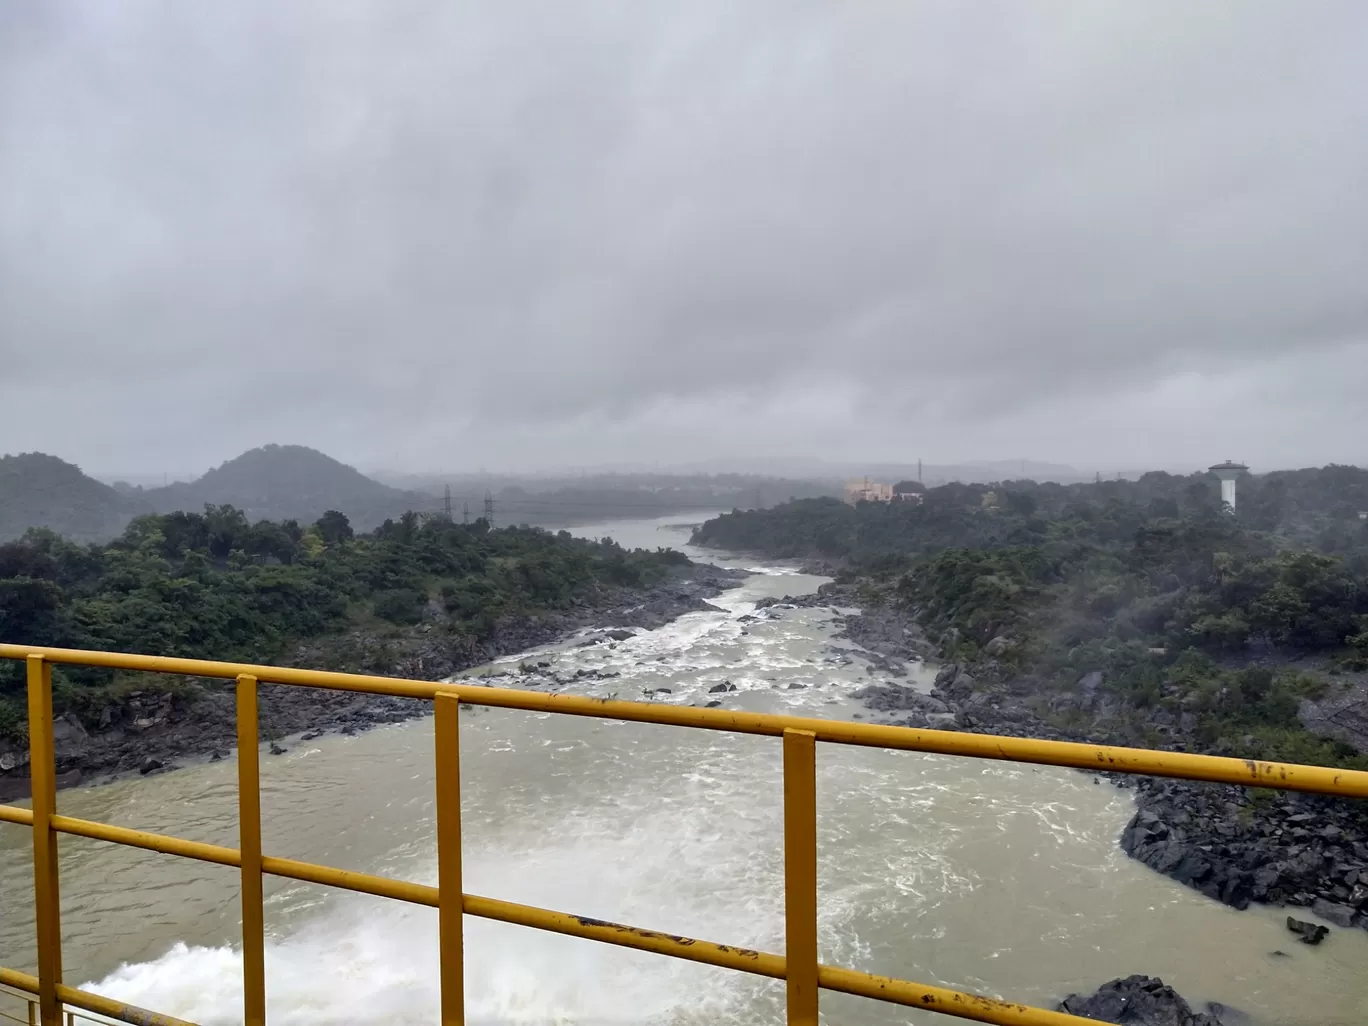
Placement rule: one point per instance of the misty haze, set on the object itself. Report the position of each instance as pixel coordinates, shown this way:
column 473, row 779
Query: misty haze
column 956, row 409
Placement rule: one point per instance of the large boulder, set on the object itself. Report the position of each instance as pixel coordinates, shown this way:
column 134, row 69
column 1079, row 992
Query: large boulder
column 893, row 697
column 946, row 674
column 1088, row 686
column 1137, row 1001
column 960, row 688
column 999, row 646
column 1340, row 915
column 68, row 735
column 1307, row 933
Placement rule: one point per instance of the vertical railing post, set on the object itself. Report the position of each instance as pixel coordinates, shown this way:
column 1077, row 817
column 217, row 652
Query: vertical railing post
column 43, row 777
column 447, row 734
column 249, row 836
column 800, row 875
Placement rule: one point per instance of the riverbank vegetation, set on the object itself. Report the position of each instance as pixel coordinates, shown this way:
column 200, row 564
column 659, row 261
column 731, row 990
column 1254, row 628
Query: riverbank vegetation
column 214, row 585
column 1147, row 592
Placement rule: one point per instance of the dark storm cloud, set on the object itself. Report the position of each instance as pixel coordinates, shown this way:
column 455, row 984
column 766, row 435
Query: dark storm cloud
column 549, row 233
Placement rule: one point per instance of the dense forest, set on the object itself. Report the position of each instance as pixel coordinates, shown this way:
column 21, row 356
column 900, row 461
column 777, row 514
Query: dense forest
column 1152, row 585
column 216, row 585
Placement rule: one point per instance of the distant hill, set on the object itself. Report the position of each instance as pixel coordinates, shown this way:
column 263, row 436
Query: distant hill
column 282, row 482
column 558, row 500
column 37, row 490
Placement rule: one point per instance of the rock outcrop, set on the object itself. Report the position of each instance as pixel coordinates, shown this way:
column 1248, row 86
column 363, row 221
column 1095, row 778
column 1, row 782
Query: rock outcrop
column 1137, row 1001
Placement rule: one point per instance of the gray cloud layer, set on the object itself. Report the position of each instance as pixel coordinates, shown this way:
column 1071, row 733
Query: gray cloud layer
column 545, row 233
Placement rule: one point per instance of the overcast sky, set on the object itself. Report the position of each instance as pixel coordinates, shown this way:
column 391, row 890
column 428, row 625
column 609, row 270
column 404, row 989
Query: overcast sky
column 449, row 235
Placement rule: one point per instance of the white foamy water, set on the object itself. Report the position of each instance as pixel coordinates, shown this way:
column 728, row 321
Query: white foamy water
column 988, row 876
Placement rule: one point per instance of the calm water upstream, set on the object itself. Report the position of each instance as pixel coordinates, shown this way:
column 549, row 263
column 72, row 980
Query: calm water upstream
column 992, row 877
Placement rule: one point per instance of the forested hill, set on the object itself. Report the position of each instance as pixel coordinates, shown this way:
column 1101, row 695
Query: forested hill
column 282, row 482
column 275, row 482
column 1150, row 585
column 1316, row 509
column 214, row 585
column 41, row 490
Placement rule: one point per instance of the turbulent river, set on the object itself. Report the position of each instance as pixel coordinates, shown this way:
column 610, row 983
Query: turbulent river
column 991, row 877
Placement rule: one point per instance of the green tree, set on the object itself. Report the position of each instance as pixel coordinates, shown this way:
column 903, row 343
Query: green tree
column 334, row 528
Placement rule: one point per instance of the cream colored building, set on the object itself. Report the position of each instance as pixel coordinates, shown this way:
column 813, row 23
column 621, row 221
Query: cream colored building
column 866, row 490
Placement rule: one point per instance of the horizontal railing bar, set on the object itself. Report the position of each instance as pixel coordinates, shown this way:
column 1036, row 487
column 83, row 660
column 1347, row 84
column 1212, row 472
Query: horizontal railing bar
column 1212, row 768
column 942, row 1000
column 115, row 1009
column 14, row 814
column 726, row 956
column 146, row 840
column 348, row 880
column 16, row 980
column 92, row 1002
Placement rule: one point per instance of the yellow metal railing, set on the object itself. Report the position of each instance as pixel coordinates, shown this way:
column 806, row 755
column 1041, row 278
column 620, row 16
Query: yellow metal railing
column 29, row 1003
column 798, row 966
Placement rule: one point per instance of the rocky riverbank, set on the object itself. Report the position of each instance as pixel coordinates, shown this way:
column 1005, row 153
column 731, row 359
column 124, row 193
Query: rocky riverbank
column 149, row 731
column 1234, row 845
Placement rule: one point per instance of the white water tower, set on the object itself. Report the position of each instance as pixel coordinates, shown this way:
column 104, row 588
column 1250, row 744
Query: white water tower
column 1228, row 472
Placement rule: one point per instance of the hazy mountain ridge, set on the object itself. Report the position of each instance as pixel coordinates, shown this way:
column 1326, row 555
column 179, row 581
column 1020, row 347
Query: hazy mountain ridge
column 274, row 482
column 294, row 482
column 38, row 490
column 284, row 482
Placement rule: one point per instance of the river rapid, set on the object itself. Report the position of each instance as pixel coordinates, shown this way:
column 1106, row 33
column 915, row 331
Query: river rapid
column 991, row 877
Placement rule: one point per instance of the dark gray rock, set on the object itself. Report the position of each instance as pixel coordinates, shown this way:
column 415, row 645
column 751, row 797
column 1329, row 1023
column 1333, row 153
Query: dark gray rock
column 999, row 646
column 1307, row 933
column 961, row 687
column 1340, row 915
column 1088, row 686
column 895, row 697
column 1137, row 1001
column 1342, row 713
column 1227, row 1015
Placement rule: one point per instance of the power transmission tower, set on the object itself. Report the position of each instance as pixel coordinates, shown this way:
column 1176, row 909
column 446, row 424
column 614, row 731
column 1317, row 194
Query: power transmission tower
column 465, row 513
column 919, row 470
column 489, row 509
column 447, row 504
